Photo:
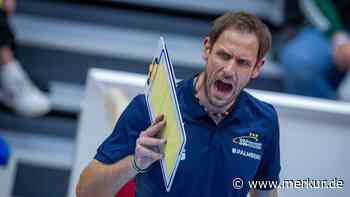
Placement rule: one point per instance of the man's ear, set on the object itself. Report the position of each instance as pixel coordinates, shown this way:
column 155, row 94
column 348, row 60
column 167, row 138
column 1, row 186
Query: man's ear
column 206, row 48
column 257, row 68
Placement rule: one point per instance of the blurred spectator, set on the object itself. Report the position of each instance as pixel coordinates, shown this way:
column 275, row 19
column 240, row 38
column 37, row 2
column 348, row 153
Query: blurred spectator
column 317, row 57
column 17, row 91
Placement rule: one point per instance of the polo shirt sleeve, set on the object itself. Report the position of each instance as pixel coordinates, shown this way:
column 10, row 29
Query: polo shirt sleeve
column 270, row 166
column 121, row 142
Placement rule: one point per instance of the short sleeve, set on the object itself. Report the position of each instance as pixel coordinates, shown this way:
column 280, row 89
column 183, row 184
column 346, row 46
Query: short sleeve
column 270, row 166
column 121, row 142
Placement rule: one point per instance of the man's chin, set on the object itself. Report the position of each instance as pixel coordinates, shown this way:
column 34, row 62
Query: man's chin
column 219, row 99
column 219, row 102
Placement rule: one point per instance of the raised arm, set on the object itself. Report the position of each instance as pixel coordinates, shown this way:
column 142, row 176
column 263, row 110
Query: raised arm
column 99, row 179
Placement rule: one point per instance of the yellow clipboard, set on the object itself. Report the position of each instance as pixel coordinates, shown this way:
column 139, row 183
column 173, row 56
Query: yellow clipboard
column 161, row 99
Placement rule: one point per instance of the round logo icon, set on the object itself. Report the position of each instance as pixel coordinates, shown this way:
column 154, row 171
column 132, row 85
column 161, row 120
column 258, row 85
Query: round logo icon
column 237, row 183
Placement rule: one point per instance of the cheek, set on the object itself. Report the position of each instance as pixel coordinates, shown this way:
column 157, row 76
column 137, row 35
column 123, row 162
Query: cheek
column 243, row 78
column 211, row 69
column 214, row 65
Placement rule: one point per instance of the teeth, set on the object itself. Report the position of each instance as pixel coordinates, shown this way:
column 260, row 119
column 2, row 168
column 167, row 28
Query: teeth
column 227, row 83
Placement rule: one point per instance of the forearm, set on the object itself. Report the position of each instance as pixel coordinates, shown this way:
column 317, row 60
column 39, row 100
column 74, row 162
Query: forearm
column 104, row 180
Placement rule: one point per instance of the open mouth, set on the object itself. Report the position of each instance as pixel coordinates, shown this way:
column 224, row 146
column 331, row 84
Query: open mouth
column 223, row 87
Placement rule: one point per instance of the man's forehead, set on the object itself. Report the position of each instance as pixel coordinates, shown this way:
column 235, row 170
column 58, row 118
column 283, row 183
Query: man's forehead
column 233, row 35
column 242, row 44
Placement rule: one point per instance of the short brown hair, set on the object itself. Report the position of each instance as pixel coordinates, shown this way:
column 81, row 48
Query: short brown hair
column 245, row 23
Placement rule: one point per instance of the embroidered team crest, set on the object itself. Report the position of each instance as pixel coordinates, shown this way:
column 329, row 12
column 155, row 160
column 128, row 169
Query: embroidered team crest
column 252, row 141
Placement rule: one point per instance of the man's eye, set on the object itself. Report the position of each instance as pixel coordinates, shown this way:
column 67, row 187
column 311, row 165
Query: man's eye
column 243, row 62
column 224, row 56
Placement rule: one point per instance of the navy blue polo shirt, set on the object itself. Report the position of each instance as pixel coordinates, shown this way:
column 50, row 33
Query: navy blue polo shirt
column 244, row 146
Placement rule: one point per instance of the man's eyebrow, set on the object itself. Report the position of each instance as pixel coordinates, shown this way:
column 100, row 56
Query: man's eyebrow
column 221, row 50
column 245, row 58
column 224, row 51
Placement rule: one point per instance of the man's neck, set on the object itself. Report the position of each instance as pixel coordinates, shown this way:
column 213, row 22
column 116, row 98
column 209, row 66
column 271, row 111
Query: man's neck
column 217, row 114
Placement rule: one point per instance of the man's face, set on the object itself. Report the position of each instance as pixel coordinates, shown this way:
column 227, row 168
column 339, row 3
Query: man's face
column 230, row 64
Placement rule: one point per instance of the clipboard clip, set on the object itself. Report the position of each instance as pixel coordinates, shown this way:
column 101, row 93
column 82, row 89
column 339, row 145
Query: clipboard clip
column 152, row 70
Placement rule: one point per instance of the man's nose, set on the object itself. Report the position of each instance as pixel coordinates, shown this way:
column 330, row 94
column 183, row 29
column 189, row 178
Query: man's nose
column 229, row 68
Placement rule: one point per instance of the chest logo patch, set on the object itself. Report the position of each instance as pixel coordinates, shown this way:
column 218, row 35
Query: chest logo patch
column 251, row 141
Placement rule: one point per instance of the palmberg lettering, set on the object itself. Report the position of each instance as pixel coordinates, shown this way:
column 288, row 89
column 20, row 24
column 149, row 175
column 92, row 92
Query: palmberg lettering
column 246, row 153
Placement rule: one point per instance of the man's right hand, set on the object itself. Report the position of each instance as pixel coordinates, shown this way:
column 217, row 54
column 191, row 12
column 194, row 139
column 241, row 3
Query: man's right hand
column 148, row 145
